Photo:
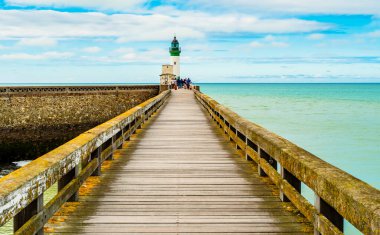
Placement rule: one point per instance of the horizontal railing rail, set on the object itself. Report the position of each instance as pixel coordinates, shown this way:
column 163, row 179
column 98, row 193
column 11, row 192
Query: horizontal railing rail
column 21, row 192
column 14, row 90
column 338, row 195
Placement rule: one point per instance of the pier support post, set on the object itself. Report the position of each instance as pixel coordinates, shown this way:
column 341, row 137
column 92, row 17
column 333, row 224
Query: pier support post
column 259, row 169
column 134, row 127
column 25, row 214
column 96, row 154
column 292, row 180
column 114, row 140
column 329, row 212
column 246, row 154
column 72, row 174
column 269, row 159
column 127, row 130
column 140, row 119
column 112, row 143
column 236, row 142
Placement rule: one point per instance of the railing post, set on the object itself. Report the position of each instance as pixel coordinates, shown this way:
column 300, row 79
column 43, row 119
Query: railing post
column 28, row 212
column 72, row 174
column 140, row 119
column 329, row 212
column 259, row 169
column 237, row 139
column 240, row 137
column 246, row 147
column 96, row 154
column 134, row 127
column 130, row 133
column 112, row 142
column 292, row 180
column 220, row 120
column 269, row 159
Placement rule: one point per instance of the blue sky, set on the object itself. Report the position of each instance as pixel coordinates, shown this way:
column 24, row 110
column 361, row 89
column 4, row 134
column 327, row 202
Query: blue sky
column 45, row 41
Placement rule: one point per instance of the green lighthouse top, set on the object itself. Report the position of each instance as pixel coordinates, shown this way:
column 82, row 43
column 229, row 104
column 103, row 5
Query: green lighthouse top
column 175, row 50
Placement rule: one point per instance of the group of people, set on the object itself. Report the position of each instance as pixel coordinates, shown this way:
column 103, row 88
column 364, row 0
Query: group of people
column 181, row 83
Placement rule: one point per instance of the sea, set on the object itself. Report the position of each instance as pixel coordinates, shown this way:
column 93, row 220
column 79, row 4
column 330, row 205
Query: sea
column 339, row 123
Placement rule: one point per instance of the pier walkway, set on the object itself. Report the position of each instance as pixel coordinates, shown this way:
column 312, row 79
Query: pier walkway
column 179, row 174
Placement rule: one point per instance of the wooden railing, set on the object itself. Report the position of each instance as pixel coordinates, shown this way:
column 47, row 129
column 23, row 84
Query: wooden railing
column 21, row 192
column 338, row 195
column 195, row 87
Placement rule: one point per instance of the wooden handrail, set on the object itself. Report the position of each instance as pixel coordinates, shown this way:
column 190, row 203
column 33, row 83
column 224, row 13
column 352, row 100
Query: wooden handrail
column 21, row 192
column 338, row 194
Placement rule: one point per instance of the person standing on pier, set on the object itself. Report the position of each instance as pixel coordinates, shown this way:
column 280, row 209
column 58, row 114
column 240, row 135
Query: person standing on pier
column 188, row 83
column 179, row 83
column 174, row 84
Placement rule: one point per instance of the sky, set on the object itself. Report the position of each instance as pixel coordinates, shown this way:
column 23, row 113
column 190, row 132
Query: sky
column 127, row 41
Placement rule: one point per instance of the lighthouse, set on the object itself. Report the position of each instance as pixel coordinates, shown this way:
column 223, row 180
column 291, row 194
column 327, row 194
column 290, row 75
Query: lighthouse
column 175, row 52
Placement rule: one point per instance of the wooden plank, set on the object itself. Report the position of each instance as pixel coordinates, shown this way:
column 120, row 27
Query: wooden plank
column 178, row 175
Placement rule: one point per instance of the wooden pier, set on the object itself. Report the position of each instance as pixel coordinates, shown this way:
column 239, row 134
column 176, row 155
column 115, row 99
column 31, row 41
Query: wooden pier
column 177, row 175
column 181, row 163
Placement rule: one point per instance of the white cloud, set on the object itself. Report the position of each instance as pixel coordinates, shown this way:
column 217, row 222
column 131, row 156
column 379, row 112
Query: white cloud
column 375, row 34
column 199, row 47
column 40, row 42
column 279, row 44
column 154, row 55
column 292, row 6
column 92, row 49
column 269, row 38
column 124, row 50
column 43, row 56
column 132, row 27
column 316, row 36
column 256, row 44
column 131, row 55
column 268, row 41
column 89, row 4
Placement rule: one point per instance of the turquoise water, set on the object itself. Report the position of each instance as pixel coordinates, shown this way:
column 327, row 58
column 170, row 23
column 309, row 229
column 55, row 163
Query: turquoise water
column 340, row 123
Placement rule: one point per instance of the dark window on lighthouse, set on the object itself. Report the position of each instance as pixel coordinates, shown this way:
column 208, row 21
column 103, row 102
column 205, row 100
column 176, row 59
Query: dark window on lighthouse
column 175, row 63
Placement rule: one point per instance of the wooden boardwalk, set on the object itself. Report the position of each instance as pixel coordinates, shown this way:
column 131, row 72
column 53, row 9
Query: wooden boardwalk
column 178, row 175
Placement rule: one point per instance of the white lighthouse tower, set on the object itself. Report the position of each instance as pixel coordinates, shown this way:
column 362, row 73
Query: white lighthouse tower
column 175, row 52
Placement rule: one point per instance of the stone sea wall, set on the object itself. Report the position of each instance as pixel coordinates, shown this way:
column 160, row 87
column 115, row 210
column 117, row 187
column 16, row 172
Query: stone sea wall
column 34, row 120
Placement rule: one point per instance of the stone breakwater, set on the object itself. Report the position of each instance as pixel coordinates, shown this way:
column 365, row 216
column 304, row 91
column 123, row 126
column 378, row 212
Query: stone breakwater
column 34, row 120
